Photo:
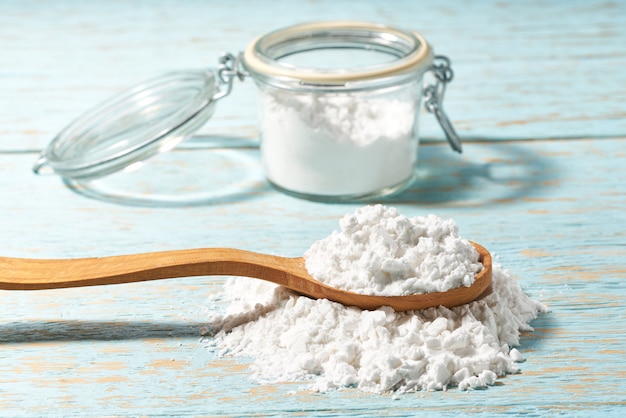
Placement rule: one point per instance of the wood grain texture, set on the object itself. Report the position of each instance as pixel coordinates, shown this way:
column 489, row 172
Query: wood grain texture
column 521, row 71
column 551, row 217
column 539, row 96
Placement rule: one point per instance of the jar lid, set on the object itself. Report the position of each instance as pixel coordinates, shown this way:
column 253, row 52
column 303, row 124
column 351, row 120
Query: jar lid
column 132, row 126
column 264, row 56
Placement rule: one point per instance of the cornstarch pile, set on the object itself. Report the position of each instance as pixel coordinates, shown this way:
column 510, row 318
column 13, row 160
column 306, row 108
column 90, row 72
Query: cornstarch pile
column 330, row 346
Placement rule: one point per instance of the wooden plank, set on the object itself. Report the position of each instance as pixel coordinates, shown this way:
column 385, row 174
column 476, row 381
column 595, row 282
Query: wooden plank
column 540, row 93
column 522, row 70
column 546, row 209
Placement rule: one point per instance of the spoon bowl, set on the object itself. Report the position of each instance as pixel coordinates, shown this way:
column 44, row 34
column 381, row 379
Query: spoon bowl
column 39, row 274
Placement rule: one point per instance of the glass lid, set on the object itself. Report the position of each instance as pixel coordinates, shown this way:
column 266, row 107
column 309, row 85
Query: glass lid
column 132, row 126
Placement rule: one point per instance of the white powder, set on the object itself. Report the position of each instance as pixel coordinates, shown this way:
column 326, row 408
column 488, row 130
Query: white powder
column 380, row 252
column 330, row 346
column 338, row 144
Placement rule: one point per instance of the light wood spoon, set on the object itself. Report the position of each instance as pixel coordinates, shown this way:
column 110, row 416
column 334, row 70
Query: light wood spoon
column 37, row 274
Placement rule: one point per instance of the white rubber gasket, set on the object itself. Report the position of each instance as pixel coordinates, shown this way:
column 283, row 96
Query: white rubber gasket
column 419, row 58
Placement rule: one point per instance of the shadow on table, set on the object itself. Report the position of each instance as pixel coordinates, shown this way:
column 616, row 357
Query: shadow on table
column 210, row 170
column 75, row 330
column 486, row 173
column 544, row 327
column 202, row 171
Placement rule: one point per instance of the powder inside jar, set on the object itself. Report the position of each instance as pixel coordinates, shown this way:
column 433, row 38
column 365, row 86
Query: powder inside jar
column 339, row 144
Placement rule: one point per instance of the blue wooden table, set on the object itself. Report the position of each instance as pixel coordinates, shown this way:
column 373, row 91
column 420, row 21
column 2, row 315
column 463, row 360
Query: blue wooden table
column 539, row 99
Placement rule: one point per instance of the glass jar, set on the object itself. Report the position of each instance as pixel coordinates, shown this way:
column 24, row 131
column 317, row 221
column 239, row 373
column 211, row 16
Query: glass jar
column 339, row 104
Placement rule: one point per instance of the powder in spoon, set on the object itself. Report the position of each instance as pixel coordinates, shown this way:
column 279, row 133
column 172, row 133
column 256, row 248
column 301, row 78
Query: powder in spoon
column 380, row 252
column 330, row 346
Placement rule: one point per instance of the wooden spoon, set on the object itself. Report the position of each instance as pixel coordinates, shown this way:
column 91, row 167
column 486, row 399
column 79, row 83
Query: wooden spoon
column 37, row 274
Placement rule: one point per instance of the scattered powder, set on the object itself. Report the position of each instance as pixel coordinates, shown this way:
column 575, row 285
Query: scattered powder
column 380, row 252
column 330, row 346
column 338, row 144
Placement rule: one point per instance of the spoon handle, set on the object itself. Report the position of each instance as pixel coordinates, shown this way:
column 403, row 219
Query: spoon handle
column 37, row 274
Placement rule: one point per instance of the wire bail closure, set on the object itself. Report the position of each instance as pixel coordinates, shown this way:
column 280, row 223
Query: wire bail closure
column 230, row 67
column 434, row 95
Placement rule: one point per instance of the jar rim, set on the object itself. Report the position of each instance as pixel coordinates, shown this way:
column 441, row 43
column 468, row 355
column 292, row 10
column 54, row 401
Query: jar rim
column 414, row 54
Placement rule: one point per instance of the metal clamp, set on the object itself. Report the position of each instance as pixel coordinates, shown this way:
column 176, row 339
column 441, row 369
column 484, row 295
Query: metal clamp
column 230, row 67
column 433, row 99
